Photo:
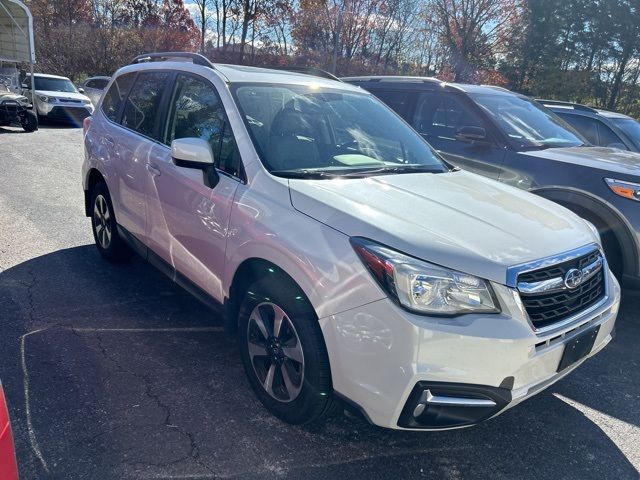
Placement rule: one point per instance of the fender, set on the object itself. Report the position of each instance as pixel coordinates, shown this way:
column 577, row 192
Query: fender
column 576, row 199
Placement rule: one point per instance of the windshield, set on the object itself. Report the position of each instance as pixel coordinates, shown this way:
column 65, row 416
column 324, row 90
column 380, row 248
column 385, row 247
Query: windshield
column 629, row 126
column 54, row 85
column 528, row 124
column 317, row 132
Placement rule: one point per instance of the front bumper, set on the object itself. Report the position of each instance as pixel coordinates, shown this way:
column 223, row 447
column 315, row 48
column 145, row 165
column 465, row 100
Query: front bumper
column 73, row 112
column 383, row 358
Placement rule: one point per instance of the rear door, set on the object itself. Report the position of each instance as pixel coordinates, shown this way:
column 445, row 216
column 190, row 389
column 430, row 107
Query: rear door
column 131, row 142
column 440, row 116
column 187, row 219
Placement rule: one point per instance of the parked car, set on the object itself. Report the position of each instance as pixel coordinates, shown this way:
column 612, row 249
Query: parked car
column 352, row 261
column 94, row 88
column 16, row 109
column 600, row 127
column 513, row 139
column 8, row 466
column 57, row 98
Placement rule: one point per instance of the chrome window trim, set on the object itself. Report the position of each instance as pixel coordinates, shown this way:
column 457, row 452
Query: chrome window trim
column 514, row 271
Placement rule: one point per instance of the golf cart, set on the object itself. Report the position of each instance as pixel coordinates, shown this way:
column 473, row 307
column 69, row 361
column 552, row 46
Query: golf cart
column 15, row 108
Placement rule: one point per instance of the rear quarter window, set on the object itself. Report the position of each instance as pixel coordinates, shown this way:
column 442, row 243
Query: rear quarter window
column 116, row 94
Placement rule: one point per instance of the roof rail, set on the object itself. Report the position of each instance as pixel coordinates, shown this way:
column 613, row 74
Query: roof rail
column 497, row 87
column 167, row 56
column 316, row 72
column 560, row 103
column 393, row 78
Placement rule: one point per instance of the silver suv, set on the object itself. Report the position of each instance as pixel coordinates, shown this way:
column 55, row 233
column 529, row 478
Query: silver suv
column 353, row 262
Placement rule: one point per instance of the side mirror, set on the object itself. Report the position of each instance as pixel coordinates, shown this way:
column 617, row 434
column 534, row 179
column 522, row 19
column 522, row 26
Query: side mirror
column 81, row 90
column 195, row 153
column 471, row 134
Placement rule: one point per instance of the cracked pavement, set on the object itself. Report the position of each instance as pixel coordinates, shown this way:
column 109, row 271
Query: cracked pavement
column 127, row 376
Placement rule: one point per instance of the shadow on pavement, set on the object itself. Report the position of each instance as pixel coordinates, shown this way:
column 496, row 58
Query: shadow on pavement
column 132, row 378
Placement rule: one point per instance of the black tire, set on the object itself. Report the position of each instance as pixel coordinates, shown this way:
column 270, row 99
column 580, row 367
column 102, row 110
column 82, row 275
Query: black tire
column 105, row 231
column 29, row 122
column 313, row 401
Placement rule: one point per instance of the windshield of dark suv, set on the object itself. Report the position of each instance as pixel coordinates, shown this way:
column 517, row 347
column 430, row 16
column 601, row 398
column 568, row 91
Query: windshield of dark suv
column 629, row 126
column 528, row 124
column 54, row 85
column 310, row 132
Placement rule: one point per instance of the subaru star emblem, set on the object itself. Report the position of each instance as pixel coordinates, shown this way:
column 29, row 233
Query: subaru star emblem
column 573, row 278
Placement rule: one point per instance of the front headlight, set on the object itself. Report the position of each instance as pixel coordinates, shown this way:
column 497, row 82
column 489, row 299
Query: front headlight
column 624, row 189
column 423, row 287
column 47, row 99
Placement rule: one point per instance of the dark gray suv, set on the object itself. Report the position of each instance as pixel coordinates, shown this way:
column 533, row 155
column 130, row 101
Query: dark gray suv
column 513, row 139
column 600, row 127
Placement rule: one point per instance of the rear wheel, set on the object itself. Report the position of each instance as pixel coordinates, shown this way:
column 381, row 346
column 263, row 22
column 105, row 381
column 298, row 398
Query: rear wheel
column 104, row 226
column 283, row 352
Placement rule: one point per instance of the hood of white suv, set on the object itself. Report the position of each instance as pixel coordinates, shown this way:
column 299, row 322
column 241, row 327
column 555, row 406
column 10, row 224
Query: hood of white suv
column 458, row 220
column 603, row 158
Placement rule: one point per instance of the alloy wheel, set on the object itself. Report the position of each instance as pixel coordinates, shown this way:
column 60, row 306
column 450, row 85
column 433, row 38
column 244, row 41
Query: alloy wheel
column 102, row 221
column 275, row 351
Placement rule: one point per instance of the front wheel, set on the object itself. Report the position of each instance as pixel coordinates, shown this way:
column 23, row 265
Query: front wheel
column 283, row 352
column 29, row 121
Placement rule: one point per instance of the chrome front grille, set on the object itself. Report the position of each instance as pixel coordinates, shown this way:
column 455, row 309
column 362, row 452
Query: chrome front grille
column 556, row 292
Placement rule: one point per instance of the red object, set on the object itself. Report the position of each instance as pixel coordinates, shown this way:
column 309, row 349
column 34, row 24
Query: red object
column 8, row 466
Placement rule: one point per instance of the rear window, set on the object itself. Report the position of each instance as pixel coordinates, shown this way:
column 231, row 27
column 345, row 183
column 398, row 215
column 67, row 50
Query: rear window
column 116, row 94
column 143, row 103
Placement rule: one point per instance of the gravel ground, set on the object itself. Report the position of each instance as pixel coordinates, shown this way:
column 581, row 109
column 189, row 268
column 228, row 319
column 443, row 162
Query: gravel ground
column 114, row 372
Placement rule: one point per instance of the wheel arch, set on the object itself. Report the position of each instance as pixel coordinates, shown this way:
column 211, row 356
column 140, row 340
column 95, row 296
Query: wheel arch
column 248, row 272
column 598, row 210
column 93, row 178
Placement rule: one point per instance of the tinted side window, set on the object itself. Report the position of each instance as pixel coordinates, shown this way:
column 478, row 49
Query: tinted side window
column 608, row 137
column 398, row 101
column 143, row 103
column 99, row 83
column 442, row 115
column 116, row 94
column 586, row 126
column 196, row 111
column 90, row 84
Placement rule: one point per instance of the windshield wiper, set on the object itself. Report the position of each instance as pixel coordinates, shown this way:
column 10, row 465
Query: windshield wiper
column 303, row 174
column 394, row 169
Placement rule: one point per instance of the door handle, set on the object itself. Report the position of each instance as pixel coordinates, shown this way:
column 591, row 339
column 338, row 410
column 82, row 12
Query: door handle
column 153, row 170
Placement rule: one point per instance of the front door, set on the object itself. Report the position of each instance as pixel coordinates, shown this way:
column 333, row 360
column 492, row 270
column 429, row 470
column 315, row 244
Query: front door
column 440, row 116
column 187, row 222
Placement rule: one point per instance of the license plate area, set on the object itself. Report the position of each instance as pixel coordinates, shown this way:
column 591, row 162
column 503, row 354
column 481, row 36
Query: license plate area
column 578, row 348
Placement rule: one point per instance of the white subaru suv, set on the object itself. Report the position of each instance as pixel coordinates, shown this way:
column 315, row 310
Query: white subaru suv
column 354, row 263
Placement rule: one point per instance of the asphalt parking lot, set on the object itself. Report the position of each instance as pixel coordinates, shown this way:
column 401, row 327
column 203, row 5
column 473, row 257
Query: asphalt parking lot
column 114, row 372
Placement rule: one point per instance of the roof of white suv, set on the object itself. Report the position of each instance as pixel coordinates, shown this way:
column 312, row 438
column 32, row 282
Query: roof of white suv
column 243, row 73
column 48, row 75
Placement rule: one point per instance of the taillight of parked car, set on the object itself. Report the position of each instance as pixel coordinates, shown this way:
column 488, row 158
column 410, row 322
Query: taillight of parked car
column 86, row 123
column 8, row 466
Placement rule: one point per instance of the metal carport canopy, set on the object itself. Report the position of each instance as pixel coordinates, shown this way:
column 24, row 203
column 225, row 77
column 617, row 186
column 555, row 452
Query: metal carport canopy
column 16, row 32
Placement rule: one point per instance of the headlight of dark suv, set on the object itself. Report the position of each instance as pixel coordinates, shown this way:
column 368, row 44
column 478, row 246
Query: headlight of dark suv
column 422, row 287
